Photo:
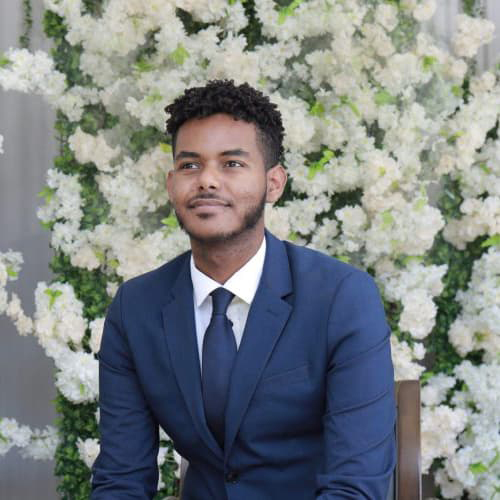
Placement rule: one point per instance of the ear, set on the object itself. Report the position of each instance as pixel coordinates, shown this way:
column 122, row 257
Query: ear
column 276, row 181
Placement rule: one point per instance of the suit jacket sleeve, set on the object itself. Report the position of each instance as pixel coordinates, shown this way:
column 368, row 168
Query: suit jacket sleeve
column 127, row 463
column 359, row 435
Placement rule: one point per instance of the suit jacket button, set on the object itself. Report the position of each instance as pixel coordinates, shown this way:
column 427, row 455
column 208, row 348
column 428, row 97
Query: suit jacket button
column 231, row 476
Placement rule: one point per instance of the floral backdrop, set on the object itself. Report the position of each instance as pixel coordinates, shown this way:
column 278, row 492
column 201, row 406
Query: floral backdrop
column 394, row 162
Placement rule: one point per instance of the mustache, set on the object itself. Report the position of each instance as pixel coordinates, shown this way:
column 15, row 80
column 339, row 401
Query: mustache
column 207, row 196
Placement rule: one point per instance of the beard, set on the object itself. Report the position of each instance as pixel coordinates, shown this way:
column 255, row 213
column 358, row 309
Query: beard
column 250, row 219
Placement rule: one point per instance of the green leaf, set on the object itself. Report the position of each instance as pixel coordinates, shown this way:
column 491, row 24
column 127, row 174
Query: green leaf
column 426, row 376
column 293, row 236
column 46, row 193
column 170, row 221
column 420, row 204
column 479, row 336
column 428, row 62
column 3, row 438
column 179, row 55
column 319, row 166
column 478, row 468
column 345, row 100
column 11, row 273
column 53, row 294
column 100, row 255
column 412, row 258
column 387, row 219
column 166, row 148
column 484, row 168
column 288, row 11
column 495, row 459
column 343, row 258
column 4, row 61
column 47, row 225
column 491, row 242
column 317, row 109
column 453, row 138
column 457, row 91
column 382, row 97
column 142, row 66
column 152, row 98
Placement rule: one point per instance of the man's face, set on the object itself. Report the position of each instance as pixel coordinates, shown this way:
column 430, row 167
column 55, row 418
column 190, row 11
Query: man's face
column 219, row 185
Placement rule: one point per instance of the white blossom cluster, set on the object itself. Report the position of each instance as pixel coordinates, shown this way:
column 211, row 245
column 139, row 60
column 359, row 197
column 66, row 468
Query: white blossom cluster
column 39, row 444
column 469, row 428
column 478, row 325
column 387, row 121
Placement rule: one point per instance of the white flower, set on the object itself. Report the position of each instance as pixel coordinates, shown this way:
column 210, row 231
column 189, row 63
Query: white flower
column 403, row 358
column 387, row 16
column 472, row 32
column 440, row 427
column 434, row 392
column 424, row 10
column 89, row 148
column 418, row 314
column 96, row 328
column 88, row 450
column 42, row 445
column 59, row 315
column 13, row 434
column 77, row 378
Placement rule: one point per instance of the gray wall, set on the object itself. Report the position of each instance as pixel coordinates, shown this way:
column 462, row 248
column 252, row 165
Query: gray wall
column 26, row 375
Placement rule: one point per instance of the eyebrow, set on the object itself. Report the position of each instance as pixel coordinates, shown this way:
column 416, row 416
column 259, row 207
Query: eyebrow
column 186, row 154
column 235, row 152
column 229, row 152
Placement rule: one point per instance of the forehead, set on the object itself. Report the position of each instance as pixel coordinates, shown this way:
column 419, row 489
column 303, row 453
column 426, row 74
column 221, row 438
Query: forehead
column 216, row 133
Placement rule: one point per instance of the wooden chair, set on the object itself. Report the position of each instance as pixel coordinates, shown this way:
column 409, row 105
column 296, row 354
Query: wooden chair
column 406, row 483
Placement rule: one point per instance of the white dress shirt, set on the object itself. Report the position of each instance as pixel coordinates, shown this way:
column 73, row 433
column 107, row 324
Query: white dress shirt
column 243, row 284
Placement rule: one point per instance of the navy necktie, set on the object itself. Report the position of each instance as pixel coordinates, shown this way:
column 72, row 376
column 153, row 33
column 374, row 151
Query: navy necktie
column 219, row 351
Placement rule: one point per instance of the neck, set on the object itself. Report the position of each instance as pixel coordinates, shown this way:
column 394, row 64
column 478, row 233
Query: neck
column 220, row 260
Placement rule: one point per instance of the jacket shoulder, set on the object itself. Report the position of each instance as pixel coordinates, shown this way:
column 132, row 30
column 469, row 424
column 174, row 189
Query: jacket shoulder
column 307, row 260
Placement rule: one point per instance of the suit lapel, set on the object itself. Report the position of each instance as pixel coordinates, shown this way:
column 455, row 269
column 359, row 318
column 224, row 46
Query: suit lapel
column 266, row 319
column 180, row 330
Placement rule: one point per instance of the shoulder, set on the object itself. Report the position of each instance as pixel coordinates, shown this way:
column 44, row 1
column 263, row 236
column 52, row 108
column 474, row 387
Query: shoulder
column 317, row 266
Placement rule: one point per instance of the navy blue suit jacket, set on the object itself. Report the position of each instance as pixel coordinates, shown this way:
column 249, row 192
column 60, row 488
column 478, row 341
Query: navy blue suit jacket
column 310, row 410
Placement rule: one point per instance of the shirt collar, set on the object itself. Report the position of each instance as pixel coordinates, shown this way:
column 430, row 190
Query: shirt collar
column 243, row 283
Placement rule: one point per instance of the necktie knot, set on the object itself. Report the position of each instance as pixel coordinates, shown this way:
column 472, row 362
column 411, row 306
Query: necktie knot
column 221, row 298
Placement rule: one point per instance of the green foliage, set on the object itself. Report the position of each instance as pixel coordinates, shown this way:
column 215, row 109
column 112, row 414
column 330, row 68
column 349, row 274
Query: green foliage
column 144, row 139
column 4, row 61
column 442, row 355
column 24, row 39
column 75, row 421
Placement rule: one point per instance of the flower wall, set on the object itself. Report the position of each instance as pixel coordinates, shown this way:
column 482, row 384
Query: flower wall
column 394, row 164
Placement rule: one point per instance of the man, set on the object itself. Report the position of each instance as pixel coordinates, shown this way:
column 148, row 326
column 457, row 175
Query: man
column 267, row 364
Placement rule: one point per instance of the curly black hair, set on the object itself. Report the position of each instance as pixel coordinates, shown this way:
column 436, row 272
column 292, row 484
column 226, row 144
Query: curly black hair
column 240, row 101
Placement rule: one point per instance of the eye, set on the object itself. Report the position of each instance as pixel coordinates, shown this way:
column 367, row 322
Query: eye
column 188, row 166
column 233, row 163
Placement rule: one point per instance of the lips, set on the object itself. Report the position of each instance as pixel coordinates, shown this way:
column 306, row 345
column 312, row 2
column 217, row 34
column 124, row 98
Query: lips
column 207, row 203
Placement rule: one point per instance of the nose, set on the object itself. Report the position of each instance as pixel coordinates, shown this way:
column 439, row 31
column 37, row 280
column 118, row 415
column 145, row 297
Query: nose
column 208, row 178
